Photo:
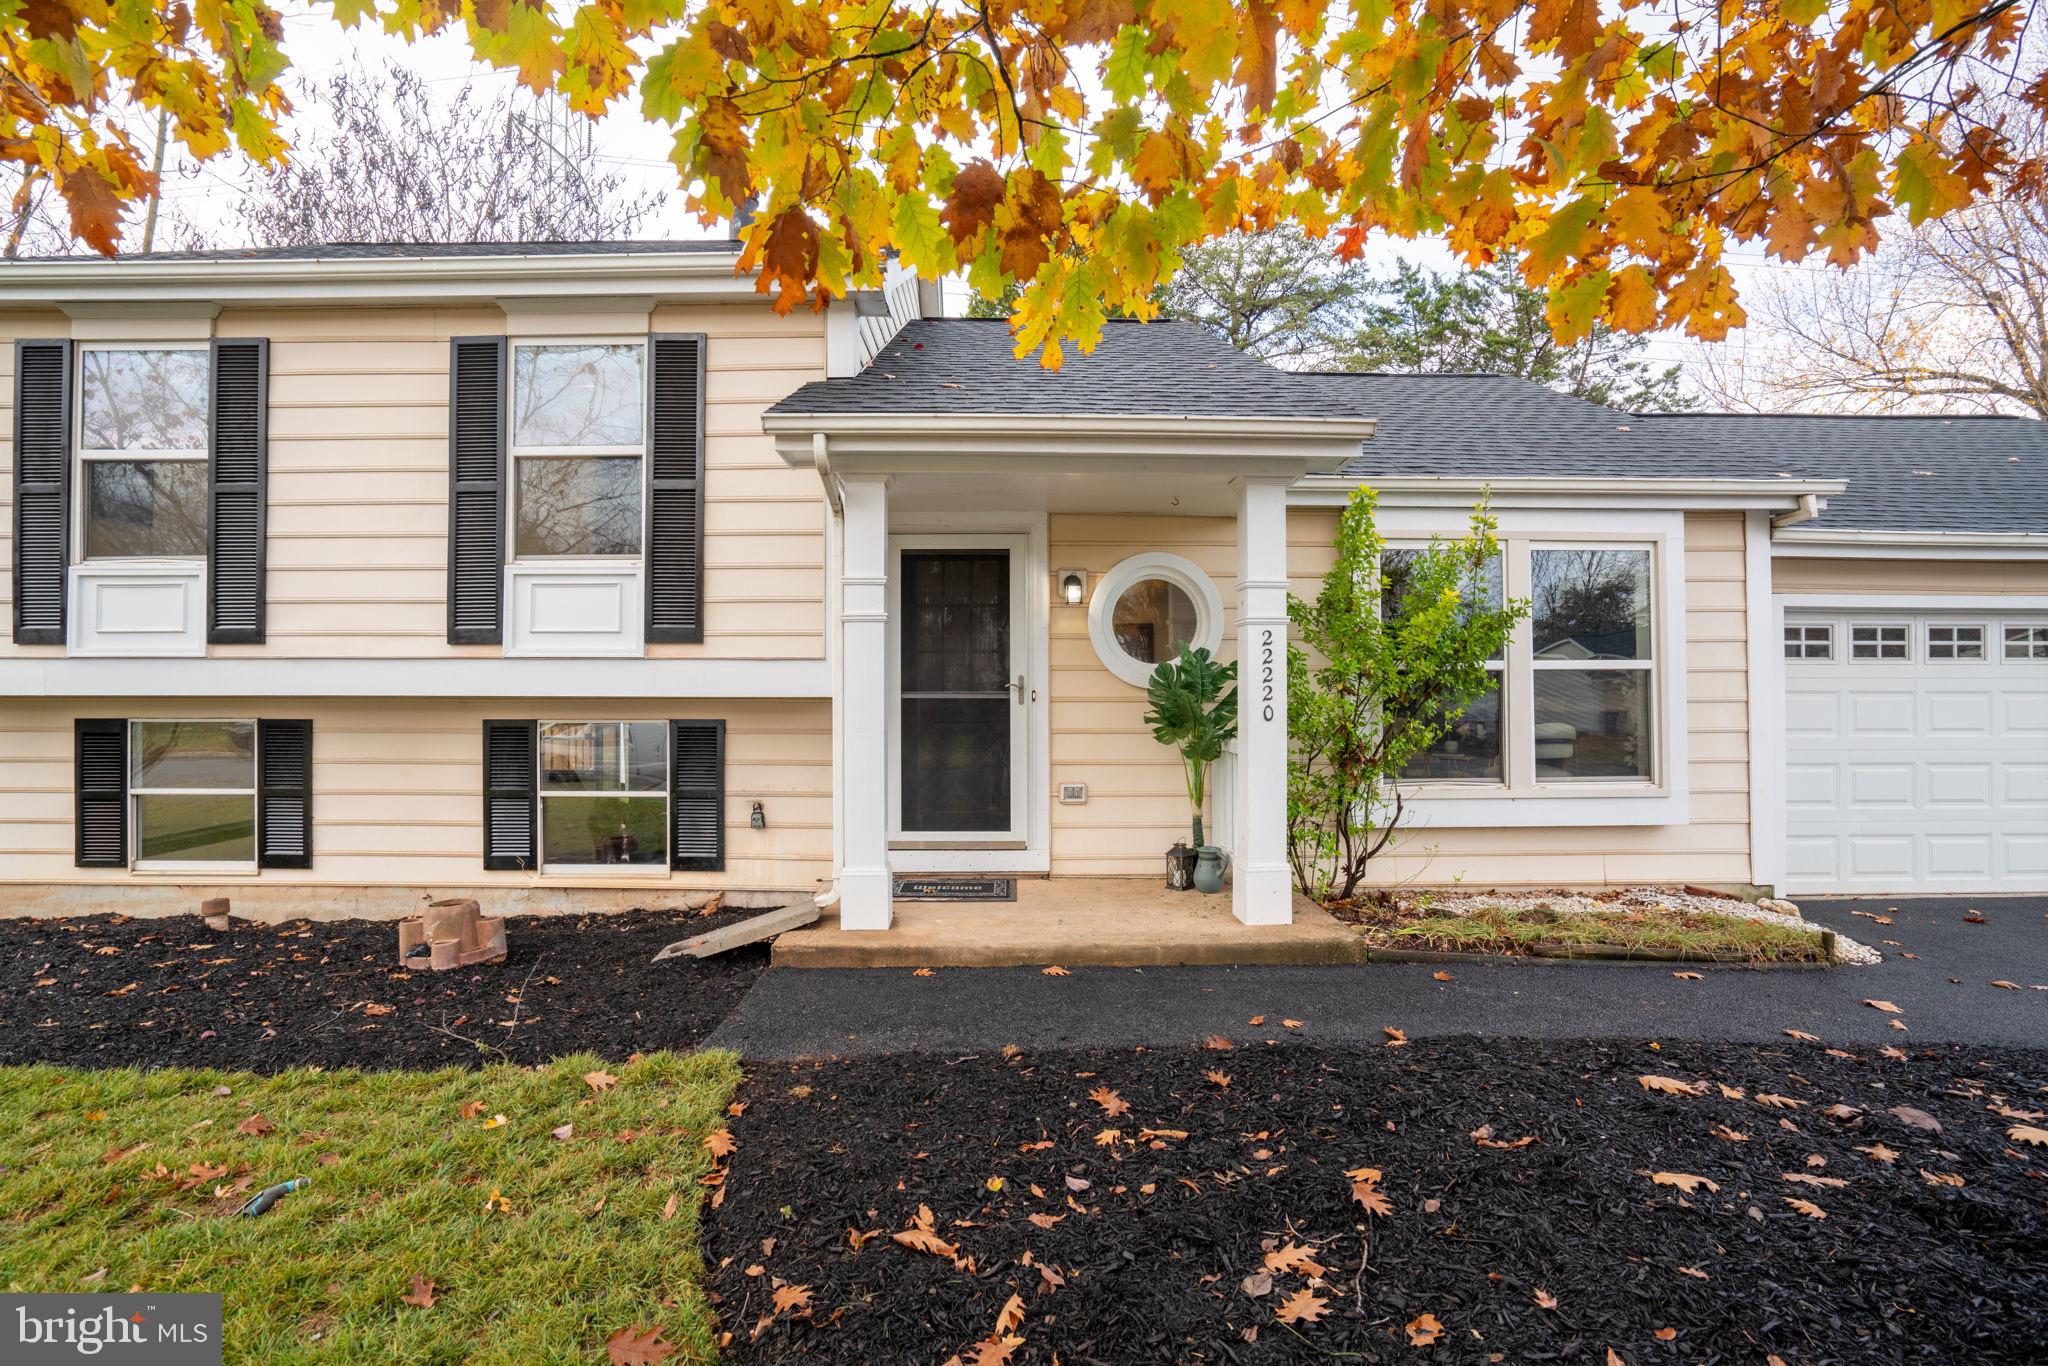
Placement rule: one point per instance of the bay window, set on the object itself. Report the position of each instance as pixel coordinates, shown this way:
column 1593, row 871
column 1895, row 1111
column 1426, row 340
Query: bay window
column 578, row 444
column 1576, row 705
column 142, row 437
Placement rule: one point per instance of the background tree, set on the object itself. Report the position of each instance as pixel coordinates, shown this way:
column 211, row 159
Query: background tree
column 1278, row 294
column 1488, row 320
column 1949, row 317
column 1371, row 687
column 1083, row 147
column 391, row 163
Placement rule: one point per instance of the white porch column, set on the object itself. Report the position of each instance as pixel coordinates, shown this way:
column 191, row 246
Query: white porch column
column 1262, row 891
column 865, row 730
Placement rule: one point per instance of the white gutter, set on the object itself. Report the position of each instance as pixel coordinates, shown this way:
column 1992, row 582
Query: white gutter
column 1855, row 542
column 920, row 442
column 227, row 279
column 1321, row 490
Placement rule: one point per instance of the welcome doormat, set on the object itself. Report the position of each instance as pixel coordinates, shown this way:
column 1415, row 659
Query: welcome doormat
column 956, row 889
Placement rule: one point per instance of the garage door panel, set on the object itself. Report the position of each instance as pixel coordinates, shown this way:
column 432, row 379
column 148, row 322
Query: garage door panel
column 1814, row 787
column 1954, row 785
column 1877, row 714
column 1957, row 713
column 1915, row 776
column 1813, row 714
column 2026, row 713
column 2026, row 859
column 2025, row 784
column 1959, row 857
column 1879, row 856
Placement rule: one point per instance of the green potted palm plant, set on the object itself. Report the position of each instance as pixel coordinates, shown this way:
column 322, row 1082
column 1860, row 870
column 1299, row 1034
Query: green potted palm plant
column 1194, row 709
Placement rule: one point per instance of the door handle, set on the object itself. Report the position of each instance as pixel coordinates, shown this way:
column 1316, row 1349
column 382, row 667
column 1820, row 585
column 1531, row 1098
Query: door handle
column 1018, row 688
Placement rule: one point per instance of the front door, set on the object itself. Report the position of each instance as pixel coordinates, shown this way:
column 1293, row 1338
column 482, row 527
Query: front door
column 960, row 698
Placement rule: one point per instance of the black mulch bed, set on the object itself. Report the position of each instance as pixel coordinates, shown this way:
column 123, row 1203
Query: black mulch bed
column 109, row 991
column 1154, row 1251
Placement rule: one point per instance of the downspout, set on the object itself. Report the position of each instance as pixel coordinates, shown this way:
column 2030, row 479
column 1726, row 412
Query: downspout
column 1809, row 508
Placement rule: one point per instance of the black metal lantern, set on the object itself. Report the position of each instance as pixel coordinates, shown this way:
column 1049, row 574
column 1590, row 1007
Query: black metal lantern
column 1180, row 867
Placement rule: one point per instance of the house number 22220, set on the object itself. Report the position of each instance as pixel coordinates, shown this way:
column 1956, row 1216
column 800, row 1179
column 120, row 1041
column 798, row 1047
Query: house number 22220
column 1266, row 674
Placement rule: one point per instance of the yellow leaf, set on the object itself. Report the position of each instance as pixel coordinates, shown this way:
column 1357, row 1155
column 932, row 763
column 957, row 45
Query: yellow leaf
column 1632, row 307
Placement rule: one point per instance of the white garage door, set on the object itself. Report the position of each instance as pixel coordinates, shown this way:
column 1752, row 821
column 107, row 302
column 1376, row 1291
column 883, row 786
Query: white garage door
column 1917, row 752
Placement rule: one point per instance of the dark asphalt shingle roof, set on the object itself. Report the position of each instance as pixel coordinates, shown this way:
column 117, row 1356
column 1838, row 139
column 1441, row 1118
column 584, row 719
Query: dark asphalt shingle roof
column 1905, row 473
column 965, row 366
column 375, row 251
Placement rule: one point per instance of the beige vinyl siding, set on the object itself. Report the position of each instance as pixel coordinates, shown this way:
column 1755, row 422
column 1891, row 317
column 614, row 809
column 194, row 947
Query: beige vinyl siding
column 1137, row 799
column 397, row 790
column 1815, row 574
column 358, row 480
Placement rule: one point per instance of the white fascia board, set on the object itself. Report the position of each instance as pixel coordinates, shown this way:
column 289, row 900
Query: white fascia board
column 905, row 443
column 466, row 677
column 1845, row 543
column 1550, row 491
column 400, row 279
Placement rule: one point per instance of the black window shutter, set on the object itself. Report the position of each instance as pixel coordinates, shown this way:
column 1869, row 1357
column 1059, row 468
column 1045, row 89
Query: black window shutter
column 284, row 795
column 696, row 795
column 236, row 487
column 42, row 489
column 675, row 487
column 100, row 777
column 476, row 490
column 510, row 775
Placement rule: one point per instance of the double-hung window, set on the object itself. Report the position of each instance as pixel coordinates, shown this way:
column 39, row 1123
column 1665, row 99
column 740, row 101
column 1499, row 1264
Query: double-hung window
column 142, row 437
column 1575, row 703
column 193, row 785
column 578, row 446
column 1591, row 655
column 604, row 793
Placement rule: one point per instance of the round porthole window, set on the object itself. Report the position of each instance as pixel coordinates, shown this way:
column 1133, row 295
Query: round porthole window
column 1147, row 608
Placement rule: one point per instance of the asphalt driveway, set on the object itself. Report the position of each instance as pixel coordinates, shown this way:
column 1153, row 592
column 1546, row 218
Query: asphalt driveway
column 1942, row 956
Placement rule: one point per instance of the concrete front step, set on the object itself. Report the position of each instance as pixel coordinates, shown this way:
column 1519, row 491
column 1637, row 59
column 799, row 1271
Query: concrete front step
column 1074, row 922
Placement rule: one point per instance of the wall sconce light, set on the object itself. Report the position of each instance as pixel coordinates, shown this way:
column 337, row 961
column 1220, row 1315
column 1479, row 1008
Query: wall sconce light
column 757, row 817
column 1073, row 586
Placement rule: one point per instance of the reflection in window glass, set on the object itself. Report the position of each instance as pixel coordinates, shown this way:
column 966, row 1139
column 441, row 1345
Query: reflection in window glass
column 1397, row 569
column 577, row 395
column 2026, row 642
column 194, row 789
column 1470, row 749
column 142, row 400
column 573, row 505
column 140, row 508
column 603, row 788
column 1153, row 619
column 1592, row 723
column 1590, row 604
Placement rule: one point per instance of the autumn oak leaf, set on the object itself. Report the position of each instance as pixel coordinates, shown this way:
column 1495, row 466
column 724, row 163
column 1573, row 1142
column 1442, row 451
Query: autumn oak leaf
column 1423, row 1330
column 1112, row 1104
column 638, row 1346
column 1303, row 1306
column 423, row 1293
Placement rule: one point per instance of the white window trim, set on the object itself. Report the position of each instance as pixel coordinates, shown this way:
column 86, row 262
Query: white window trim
column 136, row 862
column 82, row 455
column 1984, row 641
column 1111, row 586
column 2026, row 643
column 514, row 453
column 1855, row 624
column 1521, row 801
column 542, row 797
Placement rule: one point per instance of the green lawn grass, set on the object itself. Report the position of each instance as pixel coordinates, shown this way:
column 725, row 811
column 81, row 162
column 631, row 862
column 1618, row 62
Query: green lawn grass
column 400, row 1181
column 1494, row 929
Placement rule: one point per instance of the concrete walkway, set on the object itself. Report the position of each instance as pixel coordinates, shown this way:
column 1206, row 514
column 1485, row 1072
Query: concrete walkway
column 1945, row 995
